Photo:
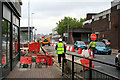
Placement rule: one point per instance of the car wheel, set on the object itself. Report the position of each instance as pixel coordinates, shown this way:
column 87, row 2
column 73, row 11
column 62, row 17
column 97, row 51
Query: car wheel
column 117, row 64
column 109, row 53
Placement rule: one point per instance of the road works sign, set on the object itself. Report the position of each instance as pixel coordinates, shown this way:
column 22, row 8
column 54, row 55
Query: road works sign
column 93, row 37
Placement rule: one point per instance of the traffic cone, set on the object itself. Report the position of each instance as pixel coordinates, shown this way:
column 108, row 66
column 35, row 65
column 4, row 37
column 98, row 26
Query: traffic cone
column 47, row 53
column 79, row 51
column 72, row 49
column 66, row 47
column 91, row 54
column 69, row 48
column 53, row 44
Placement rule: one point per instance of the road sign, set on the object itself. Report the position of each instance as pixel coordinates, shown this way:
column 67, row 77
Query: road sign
column 93, row 37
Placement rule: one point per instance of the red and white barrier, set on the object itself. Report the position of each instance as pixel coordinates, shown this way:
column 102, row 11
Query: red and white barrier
column 72, row 49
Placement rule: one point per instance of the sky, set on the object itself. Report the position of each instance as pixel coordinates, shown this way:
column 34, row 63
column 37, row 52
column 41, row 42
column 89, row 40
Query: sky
column 48, row 12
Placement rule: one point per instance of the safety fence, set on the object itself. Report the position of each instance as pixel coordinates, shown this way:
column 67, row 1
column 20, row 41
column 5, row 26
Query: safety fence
column 75, row 70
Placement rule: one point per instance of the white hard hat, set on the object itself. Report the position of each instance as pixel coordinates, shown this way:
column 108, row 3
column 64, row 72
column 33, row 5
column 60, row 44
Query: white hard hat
column 60, row 39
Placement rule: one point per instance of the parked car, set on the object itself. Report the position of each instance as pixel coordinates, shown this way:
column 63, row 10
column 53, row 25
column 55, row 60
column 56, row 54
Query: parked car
column 117, row 60
column 79, row 44
column 107, row 42
column 102, row 48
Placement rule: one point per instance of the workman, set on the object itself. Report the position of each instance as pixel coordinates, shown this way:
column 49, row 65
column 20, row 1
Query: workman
column 61, row 50
column 92, row 46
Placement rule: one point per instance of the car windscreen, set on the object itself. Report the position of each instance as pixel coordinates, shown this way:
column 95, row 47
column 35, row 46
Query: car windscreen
column 81, row 43
column 101, row 44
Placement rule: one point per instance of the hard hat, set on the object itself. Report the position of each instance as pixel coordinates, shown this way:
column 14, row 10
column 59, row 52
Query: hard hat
column 60, row 39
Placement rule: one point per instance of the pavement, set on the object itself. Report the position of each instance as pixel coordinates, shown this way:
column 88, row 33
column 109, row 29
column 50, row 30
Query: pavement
column 49, row 72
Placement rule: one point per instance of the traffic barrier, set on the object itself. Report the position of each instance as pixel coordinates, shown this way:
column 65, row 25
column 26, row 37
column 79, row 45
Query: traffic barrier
column 72, row 49
column 3, row 60
column 79, row 51
column 86, row 63
column 91, row 53
column 69, row 48
column 44, row 59
column 26, row 60
column 34, row 46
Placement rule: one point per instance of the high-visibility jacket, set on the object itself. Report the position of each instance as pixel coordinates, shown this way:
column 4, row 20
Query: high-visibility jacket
column 93, row 44
column 60, row 48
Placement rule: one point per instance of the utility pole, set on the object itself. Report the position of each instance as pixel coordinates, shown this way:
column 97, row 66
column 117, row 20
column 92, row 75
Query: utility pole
column 28, row 20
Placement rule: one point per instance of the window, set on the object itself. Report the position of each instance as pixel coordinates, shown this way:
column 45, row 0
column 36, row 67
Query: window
column 5, row 42
column 15, row 41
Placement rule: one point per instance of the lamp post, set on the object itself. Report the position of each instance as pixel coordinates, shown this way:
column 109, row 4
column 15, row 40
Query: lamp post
column 28, row 20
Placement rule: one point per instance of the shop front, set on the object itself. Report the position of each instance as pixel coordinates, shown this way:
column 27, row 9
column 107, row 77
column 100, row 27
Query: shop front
column 9, row 36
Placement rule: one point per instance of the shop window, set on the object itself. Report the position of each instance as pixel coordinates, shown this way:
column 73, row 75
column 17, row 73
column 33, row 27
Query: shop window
column 5, row 42
column 15, row 41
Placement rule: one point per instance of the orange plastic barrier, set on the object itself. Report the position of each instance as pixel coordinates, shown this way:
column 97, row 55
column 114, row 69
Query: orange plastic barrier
column 3, row 60
column 25, row 60
column 86, row 63
column 49, row 60
column 34, row 47
column 43, row 58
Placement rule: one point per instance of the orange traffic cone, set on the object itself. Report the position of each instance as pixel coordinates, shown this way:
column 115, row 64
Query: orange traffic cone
column 66, row 47
column 47, row 53
column 69, row 48
column 72, row 49
column 79, row 51
column 91, row 54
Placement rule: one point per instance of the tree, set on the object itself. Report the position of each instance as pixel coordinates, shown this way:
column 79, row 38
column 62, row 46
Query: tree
column 71, row 22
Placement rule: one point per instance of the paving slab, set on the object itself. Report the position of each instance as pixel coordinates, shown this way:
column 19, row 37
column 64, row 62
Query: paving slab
column 49, row 72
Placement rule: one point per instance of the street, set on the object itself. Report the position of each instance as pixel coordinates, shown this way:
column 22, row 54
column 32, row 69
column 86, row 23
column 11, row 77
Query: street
column 101, row 57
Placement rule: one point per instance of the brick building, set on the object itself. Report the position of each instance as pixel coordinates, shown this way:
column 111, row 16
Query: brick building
column 106, row 24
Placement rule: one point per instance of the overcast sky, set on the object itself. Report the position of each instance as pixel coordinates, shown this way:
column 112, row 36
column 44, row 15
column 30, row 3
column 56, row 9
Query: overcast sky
column 49, row 12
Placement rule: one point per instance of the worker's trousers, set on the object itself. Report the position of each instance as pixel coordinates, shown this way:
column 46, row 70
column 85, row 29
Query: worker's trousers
column 60, row 56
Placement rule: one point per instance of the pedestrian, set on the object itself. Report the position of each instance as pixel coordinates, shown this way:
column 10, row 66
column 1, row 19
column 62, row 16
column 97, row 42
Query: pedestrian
column 61, row 50
column 92, row 46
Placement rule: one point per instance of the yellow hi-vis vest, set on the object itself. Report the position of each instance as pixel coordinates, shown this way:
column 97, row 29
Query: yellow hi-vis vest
column 93, row 44
column 60, row 48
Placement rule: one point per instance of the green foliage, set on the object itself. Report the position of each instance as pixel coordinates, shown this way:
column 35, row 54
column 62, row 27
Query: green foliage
column 71, row 22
